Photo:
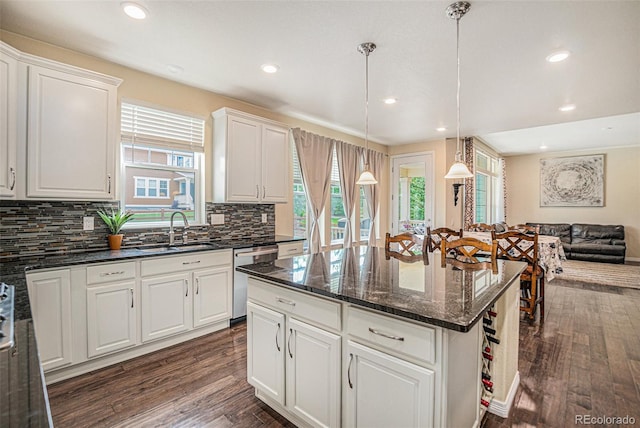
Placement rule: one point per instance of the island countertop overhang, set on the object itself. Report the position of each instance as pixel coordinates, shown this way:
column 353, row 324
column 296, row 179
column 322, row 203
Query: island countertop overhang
column 423, row 292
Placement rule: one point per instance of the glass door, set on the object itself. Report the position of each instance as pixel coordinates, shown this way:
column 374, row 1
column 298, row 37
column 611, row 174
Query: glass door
column 412, row 193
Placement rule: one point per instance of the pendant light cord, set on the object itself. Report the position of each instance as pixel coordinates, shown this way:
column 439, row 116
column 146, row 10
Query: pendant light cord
column 366, row 109
column 458, row 152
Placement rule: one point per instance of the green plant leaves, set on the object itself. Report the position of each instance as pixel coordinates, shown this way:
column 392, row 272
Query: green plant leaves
column 114, row 219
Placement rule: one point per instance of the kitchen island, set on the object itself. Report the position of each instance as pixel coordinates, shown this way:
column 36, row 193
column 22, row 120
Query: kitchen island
column 357, row 338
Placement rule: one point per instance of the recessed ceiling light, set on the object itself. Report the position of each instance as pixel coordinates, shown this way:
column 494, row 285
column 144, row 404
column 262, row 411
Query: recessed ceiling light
column 174, row 69
column 390, row 100
column 543, row 147
column 558, row 56
column 567, row 107
column 270, row 68
column 134, row 10
column 441, row 129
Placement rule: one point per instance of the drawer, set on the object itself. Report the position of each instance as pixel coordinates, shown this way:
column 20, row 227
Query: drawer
column 161, row 265
column 110, row 272
column 317, row 310
column 290, row 249
column 398, row 336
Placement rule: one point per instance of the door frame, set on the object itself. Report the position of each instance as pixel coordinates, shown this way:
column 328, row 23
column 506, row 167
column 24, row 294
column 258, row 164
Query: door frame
column 429, row 158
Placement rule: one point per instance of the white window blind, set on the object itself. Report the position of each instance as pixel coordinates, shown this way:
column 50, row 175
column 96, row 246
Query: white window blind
column 149, row 126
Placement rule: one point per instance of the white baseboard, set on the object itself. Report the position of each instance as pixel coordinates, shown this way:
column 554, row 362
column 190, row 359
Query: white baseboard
column 501, row 408
column 632, row 259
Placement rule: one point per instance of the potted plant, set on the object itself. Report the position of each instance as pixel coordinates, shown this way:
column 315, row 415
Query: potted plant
column 114, row 221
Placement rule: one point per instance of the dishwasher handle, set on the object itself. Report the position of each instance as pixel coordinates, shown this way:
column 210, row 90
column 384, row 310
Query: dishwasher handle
column 257, row 253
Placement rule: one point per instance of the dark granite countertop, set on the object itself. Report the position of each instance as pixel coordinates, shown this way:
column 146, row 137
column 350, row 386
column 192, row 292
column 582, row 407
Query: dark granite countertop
column 23, row 394
column 422, row 291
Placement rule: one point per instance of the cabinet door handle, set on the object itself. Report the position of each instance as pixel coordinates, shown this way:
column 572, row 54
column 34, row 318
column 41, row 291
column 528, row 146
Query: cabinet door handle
column 264, row 192
column 289, row 343
column 349, row 371
column 277, row 334
column 120, row 272
column 257, row 191
column 109, row 184
column 131, row 289
column 191, row 263
column 285, row 301
column 13, row 178
column 197, row 285
column 383, row 334
column 186, row 287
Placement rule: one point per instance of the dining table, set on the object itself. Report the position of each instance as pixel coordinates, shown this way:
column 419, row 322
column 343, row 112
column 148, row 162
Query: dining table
column 550, row 251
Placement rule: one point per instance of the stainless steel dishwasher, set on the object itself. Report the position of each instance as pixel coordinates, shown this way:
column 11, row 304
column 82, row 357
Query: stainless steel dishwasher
column 241, row 257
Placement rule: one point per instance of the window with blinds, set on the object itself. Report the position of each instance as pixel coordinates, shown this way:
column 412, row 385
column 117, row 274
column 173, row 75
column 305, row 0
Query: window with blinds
column 162, row 158
column 486, row 188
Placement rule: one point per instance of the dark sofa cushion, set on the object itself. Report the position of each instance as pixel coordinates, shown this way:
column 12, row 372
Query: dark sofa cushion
column 596, row 233
column 613, row 250
column 561, row 230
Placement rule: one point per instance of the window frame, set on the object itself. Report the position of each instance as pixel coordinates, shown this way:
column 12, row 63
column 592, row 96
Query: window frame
column 492, row 176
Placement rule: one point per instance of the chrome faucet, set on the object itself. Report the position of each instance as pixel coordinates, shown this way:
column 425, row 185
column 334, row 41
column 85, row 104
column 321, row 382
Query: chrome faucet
column 184, row 231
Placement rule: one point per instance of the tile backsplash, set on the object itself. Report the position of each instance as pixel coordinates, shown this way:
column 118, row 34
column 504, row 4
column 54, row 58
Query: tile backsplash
column 55, row 227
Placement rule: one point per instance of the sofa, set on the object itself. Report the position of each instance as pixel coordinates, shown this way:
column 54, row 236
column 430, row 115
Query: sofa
column 588, row 242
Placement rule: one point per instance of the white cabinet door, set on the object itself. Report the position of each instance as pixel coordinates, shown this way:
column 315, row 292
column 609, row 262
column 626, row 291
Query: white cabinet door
column 276, row 161
column 165, row 305
column 71, row 133
column 385, row 391
column 212, row 296
column 8, row 120
column 265, row 351
column 313, row 374
column 50, row 297
column 111, row 318
column 244, row 162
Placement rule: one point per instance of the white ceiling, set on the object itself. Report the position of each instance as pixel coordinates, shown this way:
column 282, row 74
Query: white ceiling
column 506, row 83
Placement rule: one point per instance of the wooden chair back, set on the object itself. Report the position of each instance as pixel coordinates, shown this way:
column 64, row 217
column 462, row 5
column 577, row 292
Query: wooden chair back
column 436, row 236
column 480, row 227
column 514, row 245
column 408, row 244
column 469, row 253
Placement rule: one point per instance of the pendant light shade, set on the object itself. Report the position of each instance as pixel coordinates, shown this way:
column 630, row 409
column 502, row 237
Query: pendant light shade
column 458, row 169
column 366, row 177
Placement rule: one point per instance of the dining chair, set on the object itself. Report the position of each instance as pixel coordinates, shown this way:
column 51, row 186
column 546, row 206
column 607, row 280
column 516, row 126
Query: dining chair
column 408, row 244
column 525, row 228
column 514, row 245
column 469, row 253
column 434, row 237
column 480, row 227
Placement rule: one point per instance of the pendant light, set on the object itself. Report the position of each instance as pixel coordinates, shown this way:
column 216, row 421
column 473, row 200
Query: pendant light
column 367, row 176
column 458, row 170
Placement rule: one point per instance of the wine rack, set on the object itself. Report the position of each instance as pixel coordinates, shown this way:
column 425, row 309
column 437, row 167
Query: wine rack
column 489, row 342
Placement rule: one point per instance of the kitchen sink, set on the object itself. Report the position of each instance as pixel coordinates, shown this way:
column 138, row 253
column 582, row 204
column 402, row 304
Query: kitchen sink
column 169, row 249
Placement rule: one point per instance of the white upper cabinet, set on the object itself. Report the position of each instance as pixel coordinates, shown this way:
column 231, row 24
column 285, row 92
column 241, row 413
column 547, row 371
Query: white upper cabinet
column 251, row 158
column 71, row 132
column 8, row 119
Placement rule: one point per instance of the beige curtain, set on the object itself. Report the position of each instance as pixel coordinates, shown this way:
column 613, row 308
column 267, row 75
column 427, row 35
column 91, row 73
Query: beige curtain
column 315, row 154
column 348, row 167
column 372, row 192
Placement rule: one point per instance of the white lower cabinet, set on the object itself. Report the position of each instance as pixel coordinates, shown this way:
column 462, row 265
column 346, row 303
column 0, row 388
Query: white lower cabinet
column 50, row 298
column 385, row 391
column 111, row 318
column 212, row 298
column 165, row 305
column 295, row 365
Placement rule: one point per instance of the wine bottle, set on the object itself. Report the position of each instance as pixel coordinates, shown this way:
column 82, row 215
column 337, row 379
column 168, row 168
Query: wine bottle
column 487, row 321
column 486, row 376
column 487, row 383
column 484, row 402
column 493, row 339
column 492, row 314
column 487, row 356
column 489, row 330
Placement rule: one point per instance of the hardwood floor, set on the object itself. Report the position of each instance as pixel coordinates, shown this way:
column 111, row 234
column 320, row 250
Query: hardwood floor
column 583, row 360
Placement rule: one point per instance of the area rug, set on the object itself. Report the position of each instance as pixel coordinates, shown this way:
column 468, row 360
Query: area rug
column 601, row 273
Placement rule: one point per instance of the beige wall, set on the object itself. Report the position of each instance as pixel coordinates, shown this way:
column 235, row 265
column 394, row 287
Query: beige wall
column 622, row 194
column 146, row 87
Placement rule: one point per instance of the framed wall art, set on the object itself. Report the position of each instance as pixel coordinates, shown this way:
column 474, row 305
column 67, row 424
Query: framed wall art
column 576, row 181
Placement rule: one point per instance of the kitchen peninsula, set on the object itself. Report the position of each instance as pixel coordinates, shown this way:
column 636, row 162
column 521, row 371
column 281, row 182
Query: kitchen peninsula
column 357, row 338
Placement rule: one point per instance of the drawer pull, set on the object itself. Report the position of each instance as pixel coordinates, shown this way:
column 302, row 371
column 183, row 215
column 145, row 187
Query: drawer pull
column 349, row 371
column 289, row 343
column 131, row 297
column 292, row 250
column 120, row 272
column 13, row 178
column 285, row 301
column 191, row 263
column 383, row 334
column 277, row 334
column 186, row 288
